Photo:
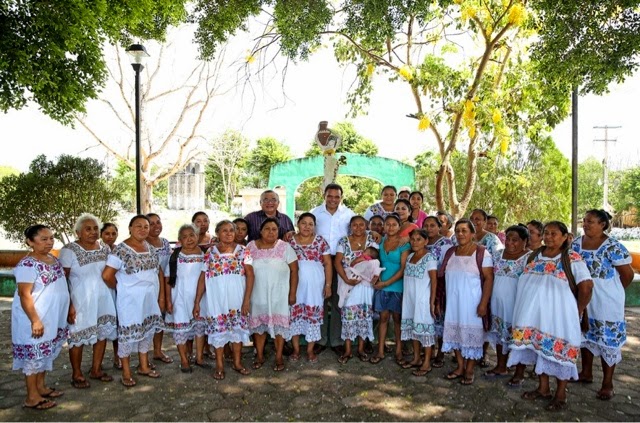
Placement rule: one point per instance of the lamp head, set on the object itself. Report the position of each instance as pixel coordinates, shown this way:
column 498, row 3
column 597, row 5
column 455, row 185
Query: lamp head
column 137, row 53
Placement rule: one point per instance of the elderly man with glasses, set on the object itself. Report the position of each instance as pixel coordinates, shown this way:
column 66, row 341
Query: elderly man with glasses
column 269, row 202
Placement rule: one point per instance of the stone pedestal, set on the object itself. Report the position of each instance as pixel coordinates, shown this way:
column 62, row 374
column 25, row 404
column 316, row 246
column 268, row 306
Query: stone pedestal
column 186, row 188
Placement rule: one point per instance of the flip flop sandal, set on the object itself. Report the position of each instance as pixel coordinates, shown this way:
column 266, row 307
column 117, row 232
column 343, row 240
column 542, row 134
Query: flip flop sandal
column 257, row 364
column 80, row 383
column 53, row 393
column 164, row 358
column 294, row 357
column 535, row 394
column 278, row 367
column 452, row 375
column 186, row 369
column 438, row 363
column 493, row 375
column 603, row 396
column 556, row 405
column 422, row 372
column 152, row 374
column 408, row 365
column 515, row 383
column 467, row 380
column 128, row 382
column 104, row 377
column 243, row 371
column 363, row 356
column 44, row 404
column 203, row 365
column 375, row 359
column 344, row 359
column 218, row 375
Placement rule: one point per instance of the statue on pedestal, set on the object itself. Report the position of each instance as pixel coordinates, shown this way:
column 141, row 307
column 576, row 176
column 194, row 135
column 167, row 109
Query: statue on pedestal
column 328, row 143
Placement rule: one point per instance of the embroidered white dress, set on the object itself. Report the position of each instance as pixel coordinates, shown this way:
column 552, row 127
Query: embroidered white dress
column 306, row 315
column 492, row 243
column 270, row 296
column 181, row 322
column 139, row 315
column 51, row 300
column 463, row 328
column 164, row 253
column 417, row 322
column 546, row 325
column 90, row 296
column 607, row 327
column 376, row 210
column 503, row 298
column 225, row 284
column 357, row 311
column 439, row 249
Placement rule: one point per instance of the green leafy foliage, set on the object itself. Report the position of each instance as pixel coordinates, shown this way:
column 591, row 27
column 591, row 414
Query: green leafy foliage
column 8, row 170
column 590, row 188
column 587, row 44
column 627, row 196
column 225, row 167
column 56, row 194
column 125, row 179
column 51, row 53
column 267, row 152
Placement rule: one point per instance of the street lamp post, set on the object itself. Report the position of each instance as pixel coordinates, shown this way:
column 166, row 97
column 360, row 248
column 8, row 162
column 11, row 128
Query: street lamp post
column 138, row 54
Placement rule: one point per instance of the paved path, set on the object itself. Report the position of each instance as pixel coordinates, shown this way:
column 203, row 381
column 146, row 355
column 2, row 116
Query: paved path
column 325, row 391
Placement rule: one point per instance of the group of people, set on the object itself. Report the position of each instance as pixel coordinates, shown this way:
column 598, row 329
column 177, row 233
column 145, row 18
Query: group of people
column 444, row 286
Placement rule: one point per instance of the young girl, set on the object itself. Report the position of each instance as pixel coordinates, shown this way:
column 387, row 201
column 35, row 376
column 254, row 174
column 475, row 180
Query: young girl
column 418, row 302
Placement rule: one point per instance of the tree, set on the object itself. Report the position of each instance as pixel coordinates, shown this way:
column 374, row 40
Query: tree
column 125, row 178
column 170, row 136
column 56, row 194
column 481, row 100
column 267, row 152
column 8, row 170
column 590, row 188
column 51, row 53
column 587, row 44
column 227, row 158
column 627, row 196
column 358, row 193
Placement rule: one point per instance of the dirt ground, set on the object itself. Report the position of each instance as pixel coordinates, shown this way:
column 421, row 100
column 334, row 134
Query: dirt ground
column 324, row 391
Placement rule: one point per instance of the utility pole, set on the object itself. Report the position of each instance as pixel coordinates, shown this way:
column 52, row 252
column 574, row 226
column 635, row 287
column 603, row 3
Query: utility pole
column 605, row 177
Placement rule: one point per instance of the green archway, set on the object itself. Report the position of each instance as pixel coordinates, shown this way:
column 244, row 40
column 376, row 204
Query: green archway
column 292, row 173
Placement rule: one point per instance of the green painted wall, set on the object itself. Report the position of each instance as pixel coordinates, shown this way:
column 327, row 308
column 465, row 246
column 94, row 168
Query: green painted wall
column 292, row 173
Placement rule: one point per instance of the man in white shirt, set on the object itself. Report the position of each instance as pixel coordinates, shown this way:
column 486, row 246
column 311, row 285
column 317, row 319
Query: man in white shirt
column 332, row 223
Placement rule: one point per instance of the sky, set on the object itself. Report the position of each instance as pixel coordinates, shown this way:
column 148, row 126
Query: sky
column 313, row 91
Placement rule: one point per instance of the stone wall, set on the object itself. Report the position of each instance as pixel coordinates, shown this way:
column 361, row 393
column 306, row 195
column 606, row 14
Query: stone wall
column 186, row 188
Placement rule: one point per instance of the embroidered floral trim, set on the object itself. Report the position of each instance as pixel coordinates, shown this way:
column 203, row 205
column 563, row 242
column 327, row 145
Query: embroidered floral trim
column 226, row 264
column 546, row 344
column 510, row 268
column 85, row 257
column 608, row 334
column 601, row 262
column 139, row 331
column 134, row 262
column 418, row 269
column 312, row 252
column 40, row 350
column 104, row 327
column 307, row 313
column 551, row 267
column 190, row 259
column 440, row 247
column 269, row 320
column 278, row 252
column 357, row 328
column 232, row 321
column 47, row 273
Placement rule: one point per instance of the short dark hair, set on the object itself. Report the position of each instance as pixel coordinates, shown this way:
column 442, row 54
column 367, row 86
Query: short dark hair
column 468, row 222
column 333, row 186
column 108, row 225
column 136, row 217
column 269, row 220
column 198, row 213
column 307, row 214
column 602, row 215
column 31, row 232
column 522, row 231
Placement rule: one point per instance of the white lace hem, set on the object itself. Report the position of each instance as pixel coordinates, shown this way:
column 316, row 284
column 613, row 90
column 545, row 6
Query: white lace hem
column 469, row 353
column 527, row 356
column 219, row 339
column 610, row 355
column 310, row 331
column 125, row 349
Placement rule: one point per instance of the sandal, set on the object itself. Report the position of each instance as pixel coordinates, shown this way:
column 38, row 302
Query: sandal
column 117, row 366
column 164, row 358
column 491, row 374
column 294, row 357
column 556, row 405
column 422, row 372
column 257, row 364
column 409, row 364
column 452, row 375
column 438, row 363
column 313, row 359
column 535, row 394
column 80, row 383
column 603, row 394
column 363, row 356
column 44, row 404
column 467, row 380
column 243, row 371
column 515, row 383
column 128, row 382
column 186, row 369
column 344, row 359
column 218, row 375
column 375, row 359
column 53, row 393
column 104, row 377
column 278, row 367
column 203, row 365
column 151, row 373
